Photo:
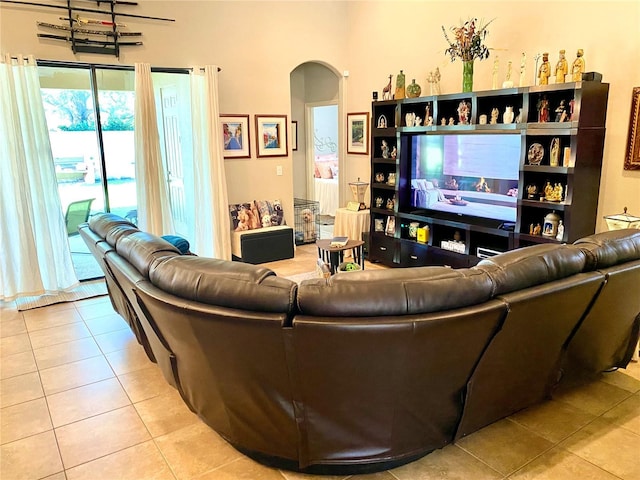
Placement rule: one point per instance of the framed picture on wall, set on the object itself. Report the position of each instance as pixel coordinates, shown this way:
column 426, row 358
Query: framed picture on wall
column 632, row 159
column 235, row 135
column 358, row 133
column 271, row 135
column 294, row 135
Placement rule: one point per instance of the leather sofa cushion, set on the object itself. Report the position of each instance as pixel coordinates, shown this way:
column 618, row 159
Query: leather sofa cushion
column 377, row 293
column 141, row 249
column 103, row 223
column 226, row 284
column 610, row 248
column 530, row 266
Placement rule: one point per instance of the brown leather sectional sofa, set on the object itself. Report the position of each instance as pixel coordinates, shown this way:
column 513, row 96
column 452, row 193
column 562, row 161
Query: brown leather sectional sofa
column 372, row 369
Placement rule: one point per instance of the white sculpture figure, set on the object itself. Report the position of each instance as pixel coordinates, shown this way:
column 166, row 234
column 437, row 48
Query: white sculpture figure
column 560, row 233
column 494, row 83
column 508, row 83
column 507, row 116
column 431, row 80
column 523, row 68
column 410, row 119
column 436, row 77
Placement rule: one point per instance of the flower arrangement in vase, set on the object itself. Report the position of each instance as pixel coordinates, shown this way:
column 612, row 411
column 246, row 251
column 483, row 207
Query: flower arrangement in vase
column 468, row 46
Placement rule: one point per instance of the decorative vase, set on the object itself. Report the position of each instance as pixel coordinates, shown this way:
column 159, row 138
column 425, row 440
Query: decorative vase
column 467, row 76
column 413, row 90
column 400, row 90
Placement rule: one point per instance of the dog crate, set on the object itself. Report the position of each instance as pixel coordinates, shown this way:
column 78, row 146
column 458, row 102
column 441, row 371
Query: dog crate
column 307, row 223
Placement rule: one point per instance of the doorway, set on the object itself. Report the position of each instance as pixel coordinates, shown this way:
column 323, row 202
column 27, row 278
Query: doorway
column 322, row 156
column 316, row 107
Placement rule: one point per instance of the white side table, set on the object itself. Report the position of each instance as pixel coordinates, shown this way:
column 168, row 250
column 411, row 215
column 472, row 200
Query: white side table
column 351, row 224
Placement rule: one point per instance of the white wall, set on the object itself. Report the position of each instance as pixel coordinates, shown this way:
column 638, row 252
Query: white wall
column 259, row 43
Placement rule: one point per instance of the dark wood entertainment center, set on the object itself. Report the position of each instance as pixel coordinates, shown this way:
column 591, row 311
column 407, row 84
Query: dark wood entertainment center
column 580, row 141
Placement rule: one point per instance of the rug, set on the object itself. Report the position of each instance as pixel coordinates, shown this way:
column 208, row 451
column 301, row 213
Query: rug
column 84, row 290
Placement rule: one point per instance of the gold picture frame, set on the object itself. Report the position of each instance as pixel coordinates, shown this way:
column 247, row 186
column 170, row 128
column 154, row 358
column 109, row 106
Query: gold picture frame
column 632, row 159
column 358, row 133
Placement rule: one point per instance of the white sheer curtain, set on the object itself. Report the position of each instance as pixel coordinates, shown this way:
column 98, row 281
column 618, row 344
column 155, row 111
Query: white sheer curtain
column 152, row 192
column 34, row 251
column 212, row 230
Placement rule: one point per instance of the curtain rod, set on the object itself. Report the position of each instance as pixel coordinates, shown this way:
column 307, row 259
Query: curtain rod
column 108, row 66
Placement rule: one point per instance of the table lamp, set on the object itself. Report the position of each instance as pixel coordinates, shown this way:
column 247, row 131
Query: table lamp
column 359, row 189
column 622, row 220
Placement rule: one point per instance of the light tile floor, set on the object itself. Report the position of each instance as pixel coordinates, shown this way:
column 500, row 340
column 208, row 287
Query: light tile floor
column 79, row 400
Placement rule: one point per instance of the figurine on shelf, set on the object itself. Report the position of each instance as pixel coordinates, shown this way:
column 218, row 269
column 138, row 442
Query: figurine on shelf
column 443, row 121
column 390, row 203
column 560, row 234
column 427, row 112
column 558, row 192
column 537, row 230
column 431, row 81
column 554, row 155
column 379, row 178
column 545, row 70
column 482, row 119
column 386, row 91
column 430, row 121
column 391, row 179
column 463, row 113
column 519, row 117
column 494, row 116
column 531, row 227
column 548, row 191
column 418, row 122
column 385, row 149
column 561, row 112
column 494, row 81
column 562, row 68
column 572, row 104
column 507, row 116
column 451, row 121
column 382, row 121
column 394, row 153
column 532, row 191
column 523, row 67
column 577, row 69
column 436, row 81
column 508, row 83
column 543, row 109
column 409, row 119
column 379, row 202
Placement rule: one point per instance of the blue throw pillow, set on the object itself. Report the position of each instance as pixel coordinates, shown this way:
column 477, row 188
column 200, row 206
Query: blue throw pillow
column 180, row 243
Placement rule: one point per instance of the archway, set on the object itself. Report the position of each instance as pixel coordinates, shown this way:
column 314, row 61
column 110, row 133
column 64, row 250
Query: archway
column 317, row 114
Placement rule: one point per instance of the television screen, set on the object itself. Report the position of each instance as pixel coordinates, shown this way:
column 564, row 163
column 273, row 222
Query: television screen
column 467, row 174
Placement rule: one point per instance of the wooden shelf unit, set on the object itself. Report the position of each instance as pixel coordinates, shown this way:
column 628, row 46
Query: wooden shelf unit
column 583, row 134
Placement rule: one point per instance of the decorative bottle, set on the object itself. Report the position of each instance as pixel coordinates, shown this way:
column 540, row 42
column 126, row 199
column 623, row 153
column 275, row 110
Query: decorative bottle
column 400, row 86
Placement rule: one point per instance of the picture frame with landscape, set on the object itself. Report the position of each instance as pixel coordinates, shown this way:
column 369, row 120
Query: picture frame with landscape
column 235, row 134
column 271, row 135
column 358, row 133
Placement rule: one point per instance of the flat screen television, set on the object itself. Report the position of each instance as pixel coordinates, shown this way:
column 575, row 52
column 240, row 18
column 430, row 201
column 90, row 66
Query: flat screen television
column 474, row 175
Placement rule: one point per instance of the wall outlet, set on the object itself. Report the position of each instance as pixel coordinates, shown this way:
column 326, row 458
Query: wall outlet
column 279, row 170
